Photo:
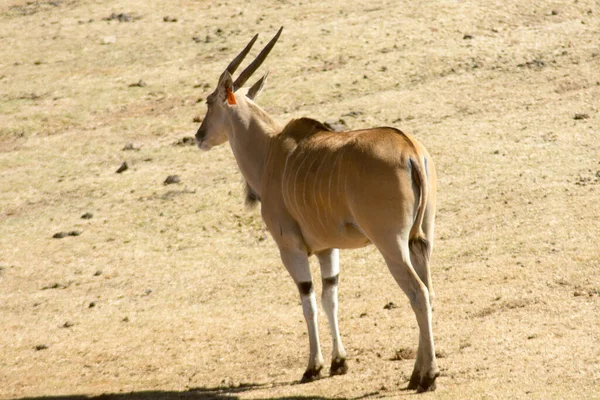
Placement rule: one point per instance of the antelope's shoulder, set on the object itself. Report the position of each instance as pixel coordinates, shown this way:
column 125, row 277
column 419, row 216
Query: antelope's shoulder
column 303, row 128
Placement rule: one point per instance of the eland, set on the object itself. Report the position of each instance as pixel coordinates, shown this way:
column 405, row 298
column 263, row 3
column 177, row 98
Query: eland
column 321, row 191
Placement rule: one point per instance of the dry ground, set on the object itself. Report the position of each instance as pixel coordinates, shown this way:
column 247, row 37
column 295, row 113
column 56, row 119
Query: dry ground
column 176, row 291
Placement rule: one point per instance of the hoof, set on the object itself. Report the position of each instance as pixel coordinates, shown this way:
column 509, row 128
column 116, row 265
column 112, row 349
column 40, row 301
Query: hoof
column 339, row 366
column 415, row 379
column 311, row 375
column 427, row 383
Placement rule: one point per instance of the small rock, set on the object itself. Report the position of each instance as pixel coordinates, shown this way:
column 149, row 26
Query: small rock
column 535, row 63
column 580, row 116
column 98, row 272
column 554, row 12
column 353, row 114
column 61, row 235
column 171, row 179
column 185, row 141
column 389, row 306
column 124, row 167
column 130, row 147
column 148, row 291
column 68, row 324
column 41, row 347
column 109, row 39
column 92, row 304
column 441, row 354
column 169, row 19
column 87, row 215
column 197, row 119
column 121, row 17
column 139, row 83
column 126, row 319
column 404, row 353
column 468, row 36
column 55, row 285
column 336, row 125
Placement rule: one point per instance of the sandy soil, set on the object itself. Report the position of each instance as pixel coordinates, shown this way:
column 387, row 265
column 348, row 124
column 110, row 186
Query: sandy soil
column 175, row 291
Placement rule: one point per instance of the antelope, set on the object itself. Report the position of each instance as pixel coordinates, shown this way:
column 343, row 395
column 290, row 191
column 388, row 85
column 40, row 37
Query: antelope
column 320, row 191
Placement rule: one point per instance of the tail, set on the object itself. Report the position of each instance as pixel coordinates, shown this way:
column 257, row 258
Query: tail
column 418, row 244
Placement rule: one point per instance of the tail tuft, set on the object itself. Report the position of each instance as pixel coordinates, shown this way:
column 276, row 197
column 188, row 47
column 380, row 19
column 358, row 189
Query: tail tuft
column 420, row 180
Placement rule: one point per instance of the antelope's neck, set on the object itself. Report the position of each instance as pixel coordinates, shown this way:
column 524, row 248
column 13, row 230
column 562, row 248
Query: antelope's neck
column 250, row 140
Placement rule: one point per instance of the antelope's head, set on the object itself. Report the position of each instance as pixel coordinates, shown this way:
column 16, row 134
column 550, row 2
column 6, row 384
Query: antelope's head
column 226, row 103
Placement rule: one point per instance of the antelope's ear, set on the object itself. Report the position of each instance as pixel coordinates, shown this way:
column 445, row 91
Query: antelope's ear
column 255, row 90
column 225, row 85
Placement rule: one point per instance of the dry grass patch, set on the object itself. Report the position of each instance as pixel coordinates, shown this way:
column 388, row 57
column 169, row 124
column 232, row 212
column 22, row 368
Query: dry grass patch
column 192, row 299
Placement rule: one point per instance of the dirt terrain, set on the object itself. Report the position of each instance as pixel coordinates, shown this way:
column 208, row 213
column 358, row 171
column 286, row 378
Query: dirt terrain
column 156, row 289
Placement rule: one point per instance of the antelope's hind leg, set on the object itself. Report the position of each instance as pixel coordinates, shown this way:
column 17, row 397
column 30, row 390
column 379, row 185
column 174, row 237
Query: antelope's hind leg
column 329, row 260
column 426, row 370
column 419, row 255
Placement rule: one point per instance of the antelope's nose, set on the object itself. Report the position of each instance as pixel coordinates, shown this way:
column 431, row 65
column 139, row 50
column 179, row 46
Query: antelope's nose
column 200, row 136
column 201, row 140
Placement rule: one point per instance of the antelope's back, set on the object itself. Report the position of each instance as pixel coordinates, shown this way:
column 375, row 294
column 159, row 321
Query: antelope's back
column 330, row 180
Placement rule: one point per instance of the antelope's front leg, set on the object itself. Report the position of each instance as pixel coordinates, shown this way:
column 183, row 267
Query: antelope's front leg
column 329, row 261
column 297, row 265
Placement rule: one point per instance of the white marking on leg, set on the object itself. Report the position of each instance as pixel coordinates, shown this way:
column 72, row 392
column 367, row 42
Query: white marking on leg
column 296, row 262
column 330, row 266
column 309, row 308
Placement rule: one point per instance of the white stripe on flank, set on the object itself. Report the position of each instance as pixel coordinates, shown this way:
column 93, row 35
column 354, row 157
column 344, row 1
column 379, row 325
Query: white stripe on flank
column 284, row 182
column 339, row 181
column 337, row 157
column 317, row 204
column 295, row 183
column 308, row 210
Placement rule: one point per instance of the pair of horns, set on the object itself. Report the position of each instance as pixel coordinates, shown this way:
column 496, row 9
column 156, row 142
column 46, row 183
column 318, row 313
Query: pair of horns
column 250, row 69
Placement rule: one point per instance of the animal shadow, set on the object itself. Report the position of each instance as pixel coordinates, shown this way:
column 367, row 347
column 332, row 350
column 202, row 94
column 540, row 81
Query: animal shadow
column 197, row 393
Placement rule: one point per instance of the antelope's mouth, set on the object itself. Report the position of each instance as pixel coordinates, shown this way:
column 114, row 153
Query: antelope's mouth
column 202, row 145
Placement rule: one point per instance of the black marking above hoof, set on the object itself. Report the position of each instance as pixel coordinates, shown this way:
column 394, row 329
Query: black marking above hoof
column 427, row 383
column 339, row 366
column 311, row 375
column 305, row 288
